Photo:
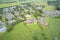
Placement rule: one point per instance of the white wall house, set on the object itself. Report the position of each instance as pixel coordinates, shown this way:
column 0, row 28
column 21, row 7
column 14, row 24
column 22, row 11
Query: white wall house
column 2, row 27
column 52, row 14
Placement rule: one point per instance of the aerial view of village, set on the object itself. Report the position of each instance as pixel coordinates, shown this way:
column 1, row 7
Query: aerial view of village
column 29, row 19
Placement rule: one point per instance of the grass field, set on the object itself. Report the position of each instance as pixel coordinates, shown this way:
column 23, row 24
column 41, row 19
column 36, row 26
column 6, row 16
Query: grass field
column 34, row 31
column 18, row 3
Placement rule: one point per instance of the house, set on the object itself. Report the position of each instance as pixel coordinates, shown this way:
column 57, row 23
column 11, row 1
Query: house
column 51, row 13
column 43, row 21
column 27, row 16
column 26, row 10
column 5, row 10
column 9, row 16
column 30, row 9
column 29, row 20
column 11, row 21
column 17, row 13
column 39, row 8
column 3, row 27
column 22, row 5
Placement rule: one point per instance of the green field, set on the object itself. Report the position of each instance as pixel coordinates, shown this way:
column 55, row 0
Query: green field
column 34, row 31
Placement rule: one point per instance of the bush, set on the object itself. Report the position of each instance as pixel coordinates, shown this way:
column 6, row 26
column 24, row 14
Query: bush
column 9, row 27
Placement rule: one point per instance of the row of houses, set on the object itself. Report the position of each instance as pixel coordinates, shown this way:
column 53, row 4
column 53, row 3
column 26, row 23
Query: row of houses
column 30, row 20
column 52, row 13
column 13, row 14
column 8, row 17
column 2, row 27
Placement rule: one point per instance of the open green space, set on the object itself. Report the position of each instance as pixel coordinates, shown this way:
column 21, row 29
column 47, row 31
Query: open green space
column 34, row 31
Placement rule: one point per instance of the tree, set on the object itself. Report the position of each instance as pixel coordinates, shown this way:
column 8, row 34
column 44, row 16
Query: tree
column 55, row 3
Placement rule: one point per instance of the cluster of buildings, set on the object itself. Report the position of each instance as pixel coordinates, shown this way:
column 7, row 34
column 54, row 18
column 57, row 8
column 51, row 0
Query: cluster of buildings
column 2, row 27
column 43, row 21
column 8, row 15
column 52, row 13
column 13, row 14
column 30, row 20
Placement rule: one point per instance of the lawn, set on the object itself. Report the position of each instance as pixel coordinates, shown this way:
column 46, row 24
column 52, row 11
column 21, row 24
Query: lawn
column 20, row 32
column 12, row 4
column 23, row 32
column 34, row 31
column 18, row 3
column 54, row 26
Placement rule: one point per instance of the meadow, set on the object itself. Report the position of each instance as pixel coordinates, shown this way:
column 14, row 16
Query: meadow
column 21, row 31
